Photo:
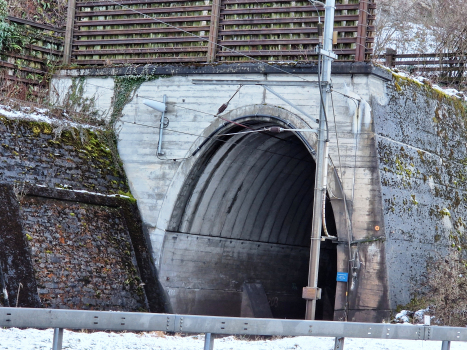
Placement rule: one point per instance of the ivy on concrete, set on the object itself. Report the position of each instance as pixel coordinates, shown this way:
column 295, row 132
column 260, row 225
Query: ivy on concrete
column 125, row 88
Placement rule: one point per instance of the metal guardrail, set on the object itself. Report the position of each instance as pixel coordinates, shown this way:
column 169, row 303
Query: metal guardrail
column 132, row 321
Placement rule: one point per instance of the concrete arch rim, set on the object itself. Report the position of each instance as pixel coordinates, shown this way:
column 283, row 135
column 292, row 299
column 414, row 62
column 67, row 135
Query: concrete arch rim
column 245, row 113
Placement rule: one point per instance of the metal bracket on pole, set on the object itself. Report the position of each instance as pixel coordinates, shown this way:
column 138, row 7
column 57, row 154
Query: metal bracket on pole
column 326, row 53
column 311, row 293
column 161, row 127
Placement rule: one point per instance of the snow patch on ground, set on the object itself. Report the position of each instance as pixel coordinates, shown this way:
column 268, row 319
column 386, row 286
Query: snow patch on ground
column 410, row 317
column 32, row 339
column 68, row 188
column 402, row 317
column 39, row 115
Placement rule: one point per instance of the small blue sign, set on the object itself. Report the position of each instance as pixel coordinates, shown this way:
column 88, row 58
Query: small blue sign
column 342, row 277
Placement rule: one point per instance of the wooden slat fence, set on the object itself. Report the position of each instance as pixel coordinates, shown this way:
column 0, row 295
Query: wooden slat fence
column 447, row 68
column 283, row 30
column 25, row 71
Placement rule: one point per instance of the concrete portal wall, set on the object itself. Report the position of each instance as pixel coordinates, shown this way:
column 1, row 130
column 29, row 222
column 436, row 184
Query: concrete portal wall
column 156, row 182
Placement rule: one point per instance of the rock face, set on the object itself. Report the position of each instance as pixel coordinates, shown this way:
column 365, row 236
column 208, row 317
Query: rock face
column 421, row 141
column 82, row 255
column 69, row 239
column 31, row 153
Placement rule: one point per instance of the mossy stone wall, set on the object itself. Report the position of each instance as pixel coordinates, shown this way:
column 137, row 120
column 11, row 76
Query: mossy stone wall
column 39, row 154
column 421, row 141
column 82, row 255
column 69, row 239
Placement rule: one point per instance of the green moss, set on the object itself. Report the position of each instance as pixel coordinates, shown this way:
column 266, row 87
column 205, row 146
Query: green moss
column 398, row 87
column 127, row 195
column 402, row 84
column 124, row 90
column 415, row 304
column 445, row 212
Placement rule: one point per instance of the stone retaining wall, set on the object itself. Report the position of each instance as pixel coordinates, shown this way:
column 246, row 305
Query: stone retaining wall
column 65, row 247
column 422, row 142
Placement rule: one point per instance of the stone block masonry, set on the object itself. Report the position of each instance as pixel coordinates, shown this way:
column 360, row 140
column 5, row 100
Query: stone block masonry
column 82, row 256
column 32, row 152
column 69, row 239
column 421, row 141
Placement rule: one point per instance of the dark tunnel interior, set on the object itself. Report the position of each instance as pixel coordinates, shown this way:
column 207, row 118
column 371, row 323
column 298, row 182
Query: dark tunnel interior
column 250, row 198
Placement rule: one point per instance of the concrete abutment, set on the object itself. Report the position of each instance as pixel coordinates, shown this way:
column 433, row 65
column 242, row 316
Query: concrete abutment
column 210, row 211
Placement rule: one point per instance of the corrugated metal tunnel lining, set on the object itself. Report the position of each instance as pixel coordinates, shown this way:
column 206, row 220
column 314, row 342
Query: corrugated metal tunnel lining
column 255, row 188
column 252, row 195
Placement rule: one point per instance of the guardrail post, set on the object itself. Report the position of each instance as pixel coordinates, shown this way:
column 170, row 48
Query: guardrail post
column 58, row 339
column 339, row 344
column 446, row 345
column 208, row 342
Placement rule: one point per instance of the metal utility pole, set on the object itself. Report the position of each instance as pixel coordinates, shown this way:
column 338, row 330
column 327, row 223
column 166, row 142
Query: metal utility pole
column 312, row 292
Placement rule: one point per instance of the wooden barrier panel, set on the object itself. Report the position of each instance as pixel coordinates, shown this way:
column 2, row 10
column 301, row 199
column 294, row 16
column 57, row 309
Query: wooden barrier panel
column 25, row 69
column 445, row 68
column 150, row 31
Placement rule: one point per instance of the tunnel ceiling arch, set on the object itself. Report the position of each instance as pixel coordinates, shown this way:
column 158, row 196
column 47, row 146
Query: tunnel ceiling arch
column 253, row 186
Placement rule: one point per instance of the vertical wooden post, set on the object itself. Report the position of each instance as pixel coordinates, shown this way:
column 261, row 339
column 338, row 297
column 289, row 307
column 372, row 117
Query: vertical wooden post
column 390, row 57
column 361, row 31
column 213, row 30
column 70, row 22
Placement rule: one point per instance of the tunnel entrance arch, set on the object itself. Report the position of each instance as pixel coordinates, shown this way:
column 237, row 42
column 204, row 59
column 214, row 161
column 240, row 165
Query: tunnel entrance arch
column 243, row 216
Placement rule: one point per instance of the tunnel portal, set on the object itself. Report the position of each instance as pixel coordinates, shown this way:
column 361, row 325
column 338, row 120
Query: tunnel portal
column 244, row 216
